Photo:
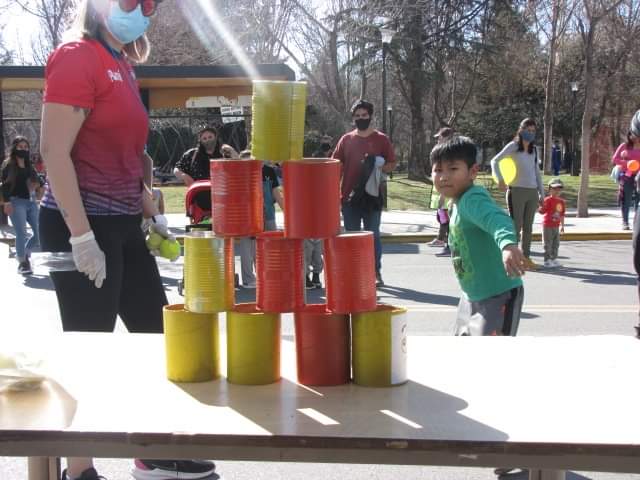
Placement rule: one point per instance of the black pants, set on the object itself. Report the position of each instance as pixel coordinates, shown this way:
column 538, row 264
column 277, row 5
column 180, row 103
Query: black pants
column 133, row 288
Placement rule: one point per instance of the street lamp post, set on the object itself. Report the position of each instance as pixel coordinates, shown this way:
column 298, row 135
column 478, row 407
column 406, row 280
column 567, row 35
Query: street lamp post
column 387, row 35
column 574, row 159
column 390, row 113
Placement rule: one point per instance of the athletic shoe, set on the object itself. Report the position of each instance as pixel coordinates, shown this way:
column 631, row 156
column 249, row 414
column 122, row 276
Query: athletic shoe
column 88, row 474
column 549, row 264
column 436, row 242
column 625, row 226
column 379, row 281
column 172, row 469
column 509, row 472
column 24, row 268
column 445, row 252
column 308, row 283
column 316, row 280
column 530, row 264
column 556, row 263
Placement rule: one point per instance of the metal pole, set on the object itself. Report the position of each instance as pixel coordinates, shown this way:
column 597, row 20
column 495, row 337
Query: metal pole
column 384, row 87
column 574, row 159
column 390, row 126
column 3, row 217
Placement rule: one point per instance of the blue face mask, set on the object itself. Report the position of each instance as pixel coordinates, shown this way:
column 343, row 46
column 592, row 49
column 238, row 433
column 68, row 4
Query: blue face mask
column 528, row 136
column 126, row 27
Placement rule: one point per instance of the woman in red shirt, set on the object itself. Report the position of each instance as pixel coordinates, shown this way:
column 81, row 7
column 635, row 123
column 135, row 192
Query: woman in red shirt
column 625, row 154
column 94, row 129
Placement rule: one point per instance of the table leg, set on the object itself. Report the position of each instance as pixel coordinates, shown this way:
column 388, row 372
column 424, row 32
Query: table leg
column 43, row 468
column 547, row 475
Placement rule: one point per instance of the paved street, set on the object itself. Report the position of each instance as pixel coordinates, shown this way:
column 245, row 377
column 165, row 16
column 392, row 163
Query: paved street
column 594, row 294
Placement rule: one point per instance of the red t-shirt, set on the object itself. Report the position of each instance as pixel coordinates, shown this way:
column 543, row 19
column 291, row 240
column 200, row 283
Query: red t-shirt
column 107, row 153
column 352, row 150
column 553, row 209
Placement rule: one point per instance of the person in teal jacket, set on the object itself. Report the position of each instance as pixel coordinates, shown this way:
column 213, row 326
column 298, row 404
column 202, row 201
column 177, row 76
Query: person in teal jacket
column 483, row 243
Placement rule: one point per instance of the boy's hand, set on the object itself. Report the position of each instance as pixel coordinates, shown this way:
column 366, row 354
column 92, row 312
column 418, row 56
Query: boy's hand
column 513, row 260
column 562, row 229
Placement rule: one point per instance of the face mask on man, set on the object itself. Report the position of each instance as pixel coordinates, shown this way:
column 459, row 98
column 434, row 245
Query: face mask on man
column 23, row 154
column 126, row 27
column 528, row 136
column 209, row 144
column 362, row 123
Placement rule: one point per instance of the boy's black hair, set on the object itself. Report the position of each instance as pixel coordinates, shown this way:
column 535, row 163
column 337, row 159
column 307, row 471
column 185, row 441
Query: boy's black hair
column 456, row 148
column 368, row 106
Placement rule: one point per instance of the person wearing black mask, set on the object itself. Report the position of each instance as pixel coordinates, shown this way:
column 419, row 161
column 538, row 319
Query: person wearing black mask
column 368, row 152
column 19, row 183
column 194, row 164
column 324, row 150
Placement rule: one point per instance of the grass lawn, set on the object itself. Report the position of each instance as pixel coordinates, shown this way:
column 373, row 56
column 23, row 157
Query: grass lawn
column 405, row 194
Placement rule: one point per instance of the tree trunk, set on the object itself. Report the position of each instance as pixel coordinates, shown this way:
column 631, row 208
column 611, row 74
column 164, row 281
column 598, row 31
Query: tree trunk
column 549, row 88
column 417, row 88
column 583, row 191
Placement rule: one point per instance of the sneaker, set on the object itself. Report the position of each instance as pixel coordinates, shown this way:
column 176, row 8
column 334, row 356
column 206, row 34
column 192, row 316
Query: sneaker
column 316, row 280
column 24, row 268
column 556, row 263
column 445, row 252
column 530, row 264
column 88, row 474
column 308, row 283
column 172, row 469
column 499, row 472
column 625, row 226
column 436, row 242
column 548, row 264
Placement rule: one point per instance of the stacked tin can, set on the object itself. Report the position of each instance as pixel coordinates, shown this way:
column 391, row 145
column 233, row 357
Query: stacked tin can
column 325, row 351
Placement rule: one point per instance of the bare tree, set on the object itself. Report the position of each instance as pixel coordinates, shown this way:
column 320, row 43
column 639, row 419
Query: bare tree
column 592, row 14
column 552, row 18
column 54, row 17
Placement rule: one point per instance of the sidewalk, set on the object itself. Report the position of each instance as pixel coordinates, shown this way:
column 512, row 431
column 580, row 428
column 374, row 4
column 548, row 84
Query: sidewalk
column 411, row 226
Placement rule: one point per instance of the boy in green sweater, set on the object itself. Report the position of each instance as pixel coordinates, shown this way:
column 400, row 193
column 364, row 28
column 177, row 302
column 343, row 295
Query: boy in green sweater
column 483, row 242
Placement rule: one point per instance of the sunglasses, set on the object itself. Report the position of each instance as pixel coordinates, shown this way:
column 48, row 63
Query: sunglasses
column 148, row 6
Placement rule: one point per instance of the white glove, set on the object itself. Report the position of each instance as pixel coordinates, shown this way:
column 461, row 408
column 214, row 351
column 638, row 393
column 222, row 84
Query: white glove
column 88, row 257
column 160, row 225
column 380, row 161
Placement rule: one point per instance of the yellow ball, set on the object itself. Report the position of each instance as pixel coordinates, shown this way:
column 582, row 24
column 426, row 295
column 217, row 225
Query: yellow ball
column 154, row 240
column 508, row 170
column 170, row 249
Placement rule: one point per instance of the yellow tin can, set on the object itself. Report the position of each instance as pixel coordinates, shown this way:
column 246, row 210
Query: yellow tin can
column 379, row 347
column 253, row 346
column 191, row 344
column 278, row 116
column 208, row 273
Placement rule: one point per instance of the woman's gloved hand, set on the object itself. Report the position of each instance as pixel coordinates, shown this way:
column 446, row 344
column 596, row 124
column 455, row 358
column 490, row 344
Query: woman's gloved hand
column 160, row 225
column 89, row 258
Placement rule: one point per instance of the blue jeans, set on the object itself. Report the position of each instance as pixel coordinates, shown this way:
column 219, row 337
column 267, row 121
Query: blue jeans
column 24, row 211
column 354, row 218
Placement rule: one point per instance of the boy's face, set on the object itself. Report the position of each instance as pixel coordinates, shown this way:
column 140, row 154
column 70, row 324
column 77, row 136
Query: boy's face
column 453, row 178
column 555, row 191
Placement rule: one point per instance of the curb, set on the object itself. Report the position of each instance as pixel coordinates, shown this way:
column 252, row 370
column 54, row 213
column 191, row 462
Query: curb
column 566, row 237
column 398, row 238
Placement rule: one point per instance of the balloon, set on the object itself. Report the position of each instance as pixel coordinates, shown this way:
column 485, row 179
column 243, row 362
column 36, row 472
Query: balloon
column 633, row 165
column 508, row 170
